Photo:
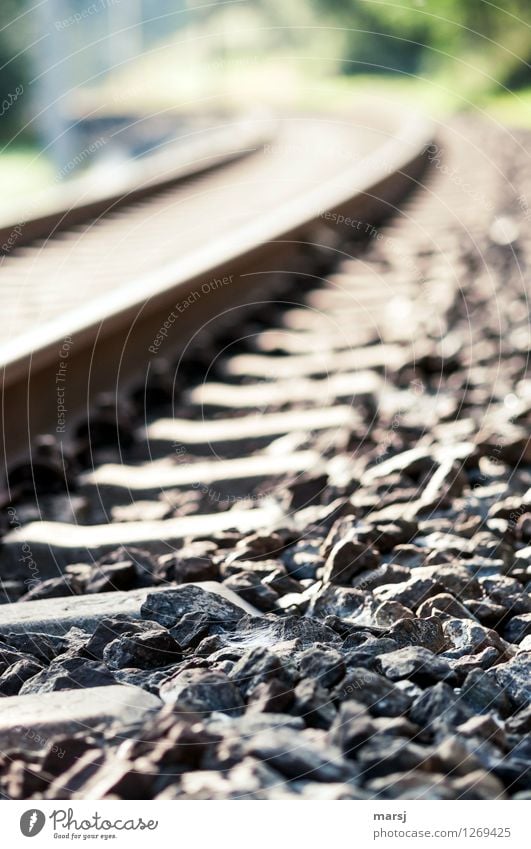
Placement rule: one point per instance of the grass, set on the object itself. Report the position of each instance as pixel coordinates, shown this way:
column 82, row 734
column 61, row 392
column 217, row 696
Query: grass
column 511, row 108
column 285, row 82
column 23, row 172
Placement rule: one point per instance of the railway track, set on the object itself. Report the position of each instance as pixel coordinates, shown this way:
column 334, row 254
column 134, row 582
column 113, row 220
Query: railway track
column 195, row 243
column 288, row 557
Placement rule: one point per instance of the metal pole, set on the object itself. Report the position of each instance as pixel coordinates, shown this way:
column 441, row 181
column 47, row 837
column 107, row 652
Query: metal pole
column 51, row 81
column 125, row 20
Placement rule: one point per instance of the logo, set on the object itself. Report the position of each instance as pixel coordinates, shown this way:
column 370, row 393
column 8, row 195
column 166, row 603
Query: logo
column 32, row 822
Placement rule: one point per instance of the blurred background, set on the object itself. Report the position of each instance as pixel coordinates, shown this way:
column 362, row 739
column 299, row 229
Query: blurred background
column 86, row 85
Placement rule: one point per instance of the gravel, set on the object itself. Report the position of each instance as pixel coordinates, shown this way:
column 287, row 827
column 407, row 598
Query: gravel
column 382, row 648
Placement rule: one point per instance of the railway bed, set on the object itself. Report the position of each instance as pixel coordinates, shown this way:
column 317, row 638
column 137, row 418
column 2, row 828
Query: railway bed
column 293, row 560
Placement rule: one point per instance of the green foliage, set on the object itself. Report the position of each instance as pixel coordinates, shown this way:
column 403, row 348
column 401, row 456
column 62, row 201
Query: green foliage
column 14, row 66
column 412, row 36
column 474, row 46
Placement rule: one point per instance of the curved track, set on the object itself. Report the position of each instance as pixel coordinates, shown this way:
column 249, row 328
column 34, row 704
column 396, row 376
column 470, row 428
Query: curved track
column 287, row 557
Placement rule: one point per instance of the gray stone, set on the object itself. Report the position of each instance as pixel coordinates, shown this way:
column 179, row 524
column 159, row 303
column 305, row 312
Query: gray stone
column 439, row 705
column 390, row 612
column 454, row 757
column 416, row 663
column 313, row 703
column 419, row 632
column 381, row 697
column 520, row 723
column 346, row 560
column 272, row 696
column 445, row 604
column 486, row 727
column 467, row 637
column 366, row 653
column 259, row 665
column 337, row 601
column 456, row 579
column 44, row 647
column 387, row 755
column 248, row 586
column 146, row 650
column 415, row 784
column 483, row 693
column 517, row 628
column 507, row 592
column 279, row 629
column 297, row 757
column 387, row 573
column 71, row 674
column 56, row 615
column 486, row 612
column 411, row 556
column 479, row 785
column 188, row 565
column 168, row 607
column 324, row 664
column 8, row 657
column 201, row 691
column 449, row 543
column 109, row 629
column 17, row 674
column 190, row 630
column 482, row 660
column 515, row 678
column 409, row 593
column 65, row 585
column 352, row 727
column 112, row 577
